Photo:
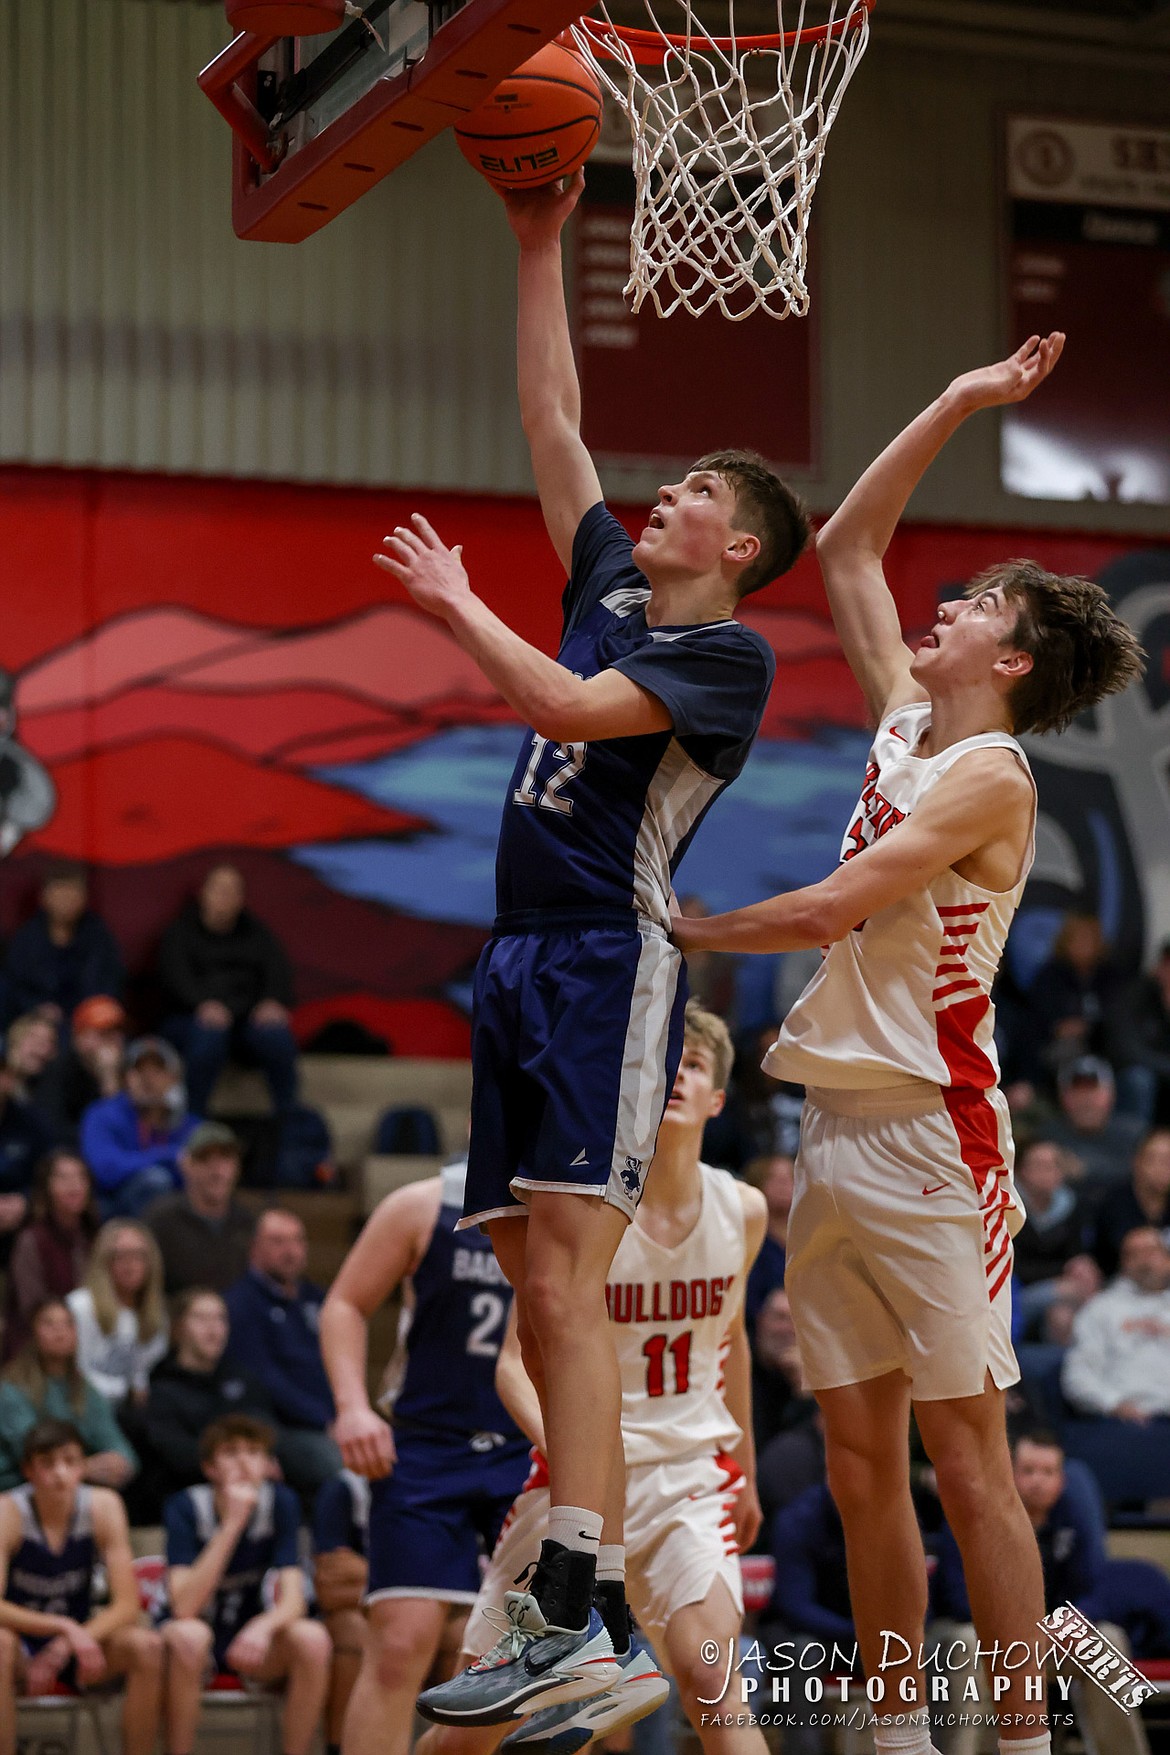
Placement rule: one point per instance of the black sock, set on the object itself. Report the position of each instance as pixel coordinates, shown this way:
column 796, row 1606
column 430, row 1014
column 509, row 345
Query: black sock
column 563, row 1585
column 610, row 1596
column 333, row 1749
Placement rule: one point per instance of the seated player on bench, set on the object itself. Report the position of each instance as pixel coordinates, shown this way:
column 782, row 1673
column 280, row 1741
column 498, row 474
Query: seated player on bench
column 223, row 1538
column 54, row 1531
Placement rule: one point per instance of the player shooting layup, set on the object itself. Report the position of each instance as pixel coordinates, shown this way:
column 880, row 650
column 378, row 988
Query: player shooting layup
column 899, row 1243
column 647, row 714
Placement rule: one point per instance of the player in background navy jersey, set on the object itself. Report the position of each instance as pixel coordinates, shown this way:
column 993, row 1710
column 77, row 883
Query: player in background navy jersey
column 53, row 1532
column 444, row 1479
column 223, row 1537
column 648, row 712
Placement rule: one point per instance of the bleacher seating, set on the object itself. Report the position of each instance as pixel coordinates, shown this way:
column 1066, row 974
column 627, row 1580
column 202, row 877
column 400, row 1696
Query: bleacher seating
column 353, row 1091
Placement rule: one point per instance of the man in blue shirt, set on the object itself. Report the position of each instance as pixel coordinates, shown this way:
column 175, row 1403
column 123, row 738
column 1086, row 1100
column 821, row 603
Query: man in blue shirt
column 275, row 1334
column 1064, row 1506
column 132, row 1141
column 647, row 713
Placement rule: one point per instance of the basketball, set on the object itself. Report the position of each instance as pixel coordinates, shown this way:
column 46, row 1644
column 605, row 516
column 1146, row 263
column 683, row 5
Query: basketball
column 540, row 123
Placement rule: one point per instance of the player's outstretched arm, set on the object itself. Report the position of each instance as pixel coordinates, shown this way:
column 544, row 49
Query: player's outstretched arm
column 851, row 545
column 983, row 805
column 560, row 706
column 550, row 396
column 392, row 1243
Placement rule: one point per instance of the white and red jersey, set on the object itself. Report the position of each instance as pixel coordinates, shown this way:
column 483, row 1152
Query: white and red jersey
column 671, row 1310
column 906, row 995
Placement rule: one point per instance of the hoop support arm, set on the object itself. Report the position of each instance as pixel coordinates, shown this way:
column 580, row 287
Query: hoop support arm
column 220, row 80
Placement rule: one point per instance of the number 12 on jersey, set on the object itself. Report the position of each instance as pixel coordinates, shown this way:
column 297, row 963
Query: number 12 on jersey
column 571, row 757
column 655, row 1351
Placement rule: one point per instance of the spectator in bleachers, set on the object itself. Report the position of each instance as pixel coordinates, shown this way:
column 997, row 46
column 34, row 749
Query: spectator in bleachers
column 791, row 1462
column 275, row 1317
column 25, row 1138
column 45, row 1382
column 55, row 1531
column 91, row 1063
column 63, row 954
column 1053, row 1237
column 1119, row 1360
column 1139, row 1043
column 223, row 1537
column 1132, row 1206
column 229, row 985
column 194, row 1385
column 52, row 1250
column 203, row 1232
column 341, row 1521
column 1088, row 1126
column 1069, row 997
column 773, row 1177
column 119, row 1311
column 1069, row 1520
column 132, row 1141
column 30, row 1055
column 779, row 1398
column 810, row 1611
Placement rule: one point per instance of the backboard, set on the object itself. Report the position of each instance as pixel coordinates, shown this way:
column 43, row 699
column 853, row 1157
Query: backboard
column 319, row 120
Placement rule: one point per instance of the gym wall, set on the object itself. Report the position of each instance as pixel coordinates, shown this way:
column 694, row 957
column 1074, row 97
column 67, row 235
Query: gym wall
column 136, row 332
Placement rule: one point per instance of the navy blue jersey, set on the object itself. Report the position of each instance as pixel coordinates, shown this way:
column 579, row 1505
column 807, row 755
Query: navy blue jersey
column 341, row 1514
column 461, row 1304
column 603, row 825
column 53, row 1583
column 269, row 1541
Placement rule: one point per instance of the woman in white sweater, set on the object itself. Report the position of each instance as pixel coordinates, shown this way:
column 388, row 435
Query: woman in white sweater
column 119, row 1311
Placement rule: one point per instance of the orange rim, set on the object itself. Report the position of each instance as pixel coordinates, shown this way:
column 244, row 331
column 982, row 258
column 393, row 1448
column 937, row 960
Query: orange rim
column 645, row 47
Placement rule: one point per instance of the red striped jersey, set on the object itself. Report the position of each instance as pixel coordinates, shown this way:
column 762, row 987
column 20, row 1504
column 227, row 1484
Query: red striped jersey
column 671, row 1310
column 907, row 994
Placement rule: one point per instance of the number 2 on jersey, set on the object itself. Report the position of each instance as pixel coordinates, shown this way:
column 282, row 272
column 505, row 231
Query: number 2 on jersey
column 655, row 1351
column 573, row 760
column 489, row 1309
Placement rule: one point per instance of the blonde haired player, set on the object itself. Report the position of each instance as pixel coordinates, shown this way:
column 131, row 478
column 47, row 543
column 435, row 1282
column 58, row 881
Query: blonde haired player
column 675, row 1299
column 899, row 1243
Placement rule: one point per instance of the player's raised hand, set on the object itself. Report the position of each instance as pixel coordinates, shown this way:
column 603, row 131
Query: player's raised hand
column 365, row 1442
column 240, row 1499
column 537, row 216
column 1013, row 379
column 433, row 573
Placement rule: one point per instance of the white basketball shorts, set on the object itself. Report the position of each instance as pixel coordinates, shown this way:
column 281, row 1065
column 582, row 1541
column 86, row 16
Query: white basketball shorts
column 900, row 1239
column 679, row 1539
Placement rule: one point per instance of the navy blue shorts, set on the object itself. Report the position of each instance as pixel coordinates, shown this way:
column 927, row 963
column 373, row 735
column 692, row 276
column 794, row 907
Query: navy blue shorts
column 575, row 1042
column 440, row 1509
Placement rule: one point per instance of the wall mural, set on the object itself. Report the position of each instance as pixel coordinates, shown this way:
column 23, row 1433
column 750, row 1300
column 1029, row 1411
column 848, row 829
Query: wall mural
column 196, row 670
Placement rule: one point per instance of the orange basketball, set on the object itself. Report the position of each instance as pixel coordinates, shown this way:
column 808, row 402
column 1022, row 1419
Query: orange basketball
column 539, row 124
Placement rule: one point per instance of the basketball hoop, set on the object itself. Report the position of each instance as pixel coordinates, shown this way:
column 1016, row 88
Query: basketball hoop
column 729, row 135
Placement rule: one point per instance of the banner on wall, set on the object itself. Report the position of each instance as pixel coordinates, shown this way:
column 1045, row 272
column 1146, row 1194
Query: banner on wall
column 1089, row 253
column 662, row 391
column 204, row 670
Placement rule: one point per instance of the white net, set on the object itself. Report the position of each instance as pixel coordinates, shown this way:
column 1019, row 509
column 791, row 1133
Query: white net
column 729, row 134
